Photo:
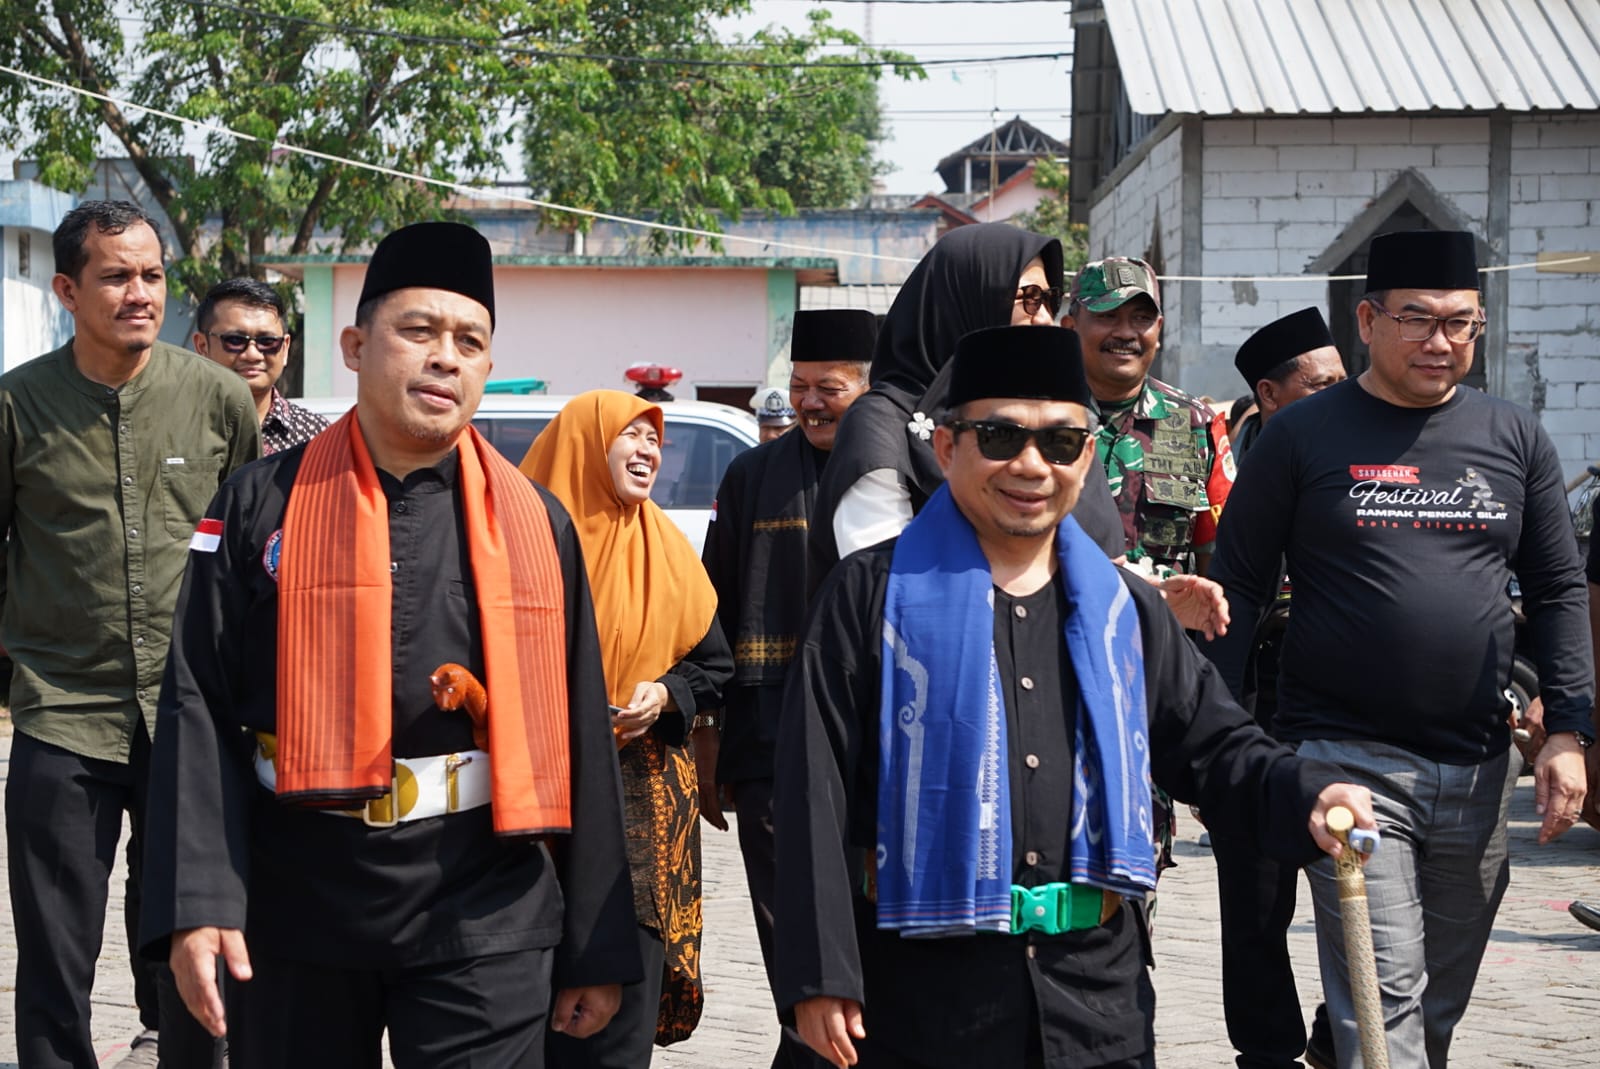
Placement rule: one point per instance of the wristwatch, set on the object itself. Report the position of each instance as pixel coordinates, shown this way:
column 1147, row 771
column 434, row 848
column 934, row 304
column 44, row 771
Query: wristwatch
column 703, row 720
column 1585, row 740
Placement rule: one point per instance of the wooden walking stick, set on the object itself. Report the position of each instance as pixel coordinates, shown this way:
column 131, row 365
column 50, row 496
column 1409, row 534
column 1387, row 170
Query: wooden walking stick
column 1358, row 954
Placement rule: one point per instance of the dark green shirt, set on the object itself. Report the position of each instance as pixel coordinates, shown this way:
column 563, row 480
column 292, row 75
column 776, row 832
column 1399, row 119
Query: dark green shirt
column 100, row 492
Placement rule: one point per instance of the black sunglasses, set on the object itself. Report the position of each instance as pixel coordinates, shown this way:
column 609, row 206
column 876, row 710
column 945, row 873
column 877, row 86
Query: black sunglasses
column 1033, row 296
column 1000, row 440
column 266, row 344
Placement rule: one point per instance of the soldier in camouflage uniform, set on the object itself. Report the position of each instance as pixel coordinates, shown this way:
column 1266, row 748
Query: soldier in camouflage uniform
column 1166, row 454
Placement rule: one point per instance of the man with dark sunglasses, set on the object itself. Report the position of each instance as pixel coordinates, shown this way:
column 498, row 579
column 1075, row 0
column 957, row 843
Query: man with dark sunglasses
column 240, row 325
column 1166, row 454
column 958, row 691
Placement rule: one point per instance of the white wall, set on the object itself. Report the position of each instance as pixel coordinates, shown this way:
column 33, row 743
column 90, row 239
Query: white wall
column 32, row 321
column 579, row 328
column 1279, row 192
column 1554, row 344
column 1123, row 223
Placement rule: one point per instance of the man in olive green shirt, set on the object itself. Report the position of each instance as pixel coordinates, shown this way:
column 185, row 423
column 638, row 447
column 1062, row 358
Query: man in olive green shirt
column 111, row 448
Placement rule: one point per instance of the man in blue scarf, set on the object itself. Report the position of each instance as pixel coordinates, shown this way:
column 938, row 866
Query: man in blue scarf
column 970, row 732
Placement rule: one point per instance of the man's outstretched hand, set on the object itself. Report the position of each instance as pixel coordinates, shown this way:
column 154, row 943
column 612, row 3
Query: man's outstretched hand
column 1197, row 602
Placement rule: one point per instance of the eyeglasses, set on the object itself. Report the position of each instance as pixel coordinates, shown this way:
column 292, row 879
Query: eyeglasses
column 1000, row 440
column 266, row 344
column 1034, row 296
column 1418, row 327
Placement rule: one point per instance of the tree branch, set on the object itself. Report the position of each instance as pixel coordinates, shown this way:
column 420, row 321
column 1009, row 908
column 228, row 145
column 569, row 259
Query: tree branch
column 160, row 187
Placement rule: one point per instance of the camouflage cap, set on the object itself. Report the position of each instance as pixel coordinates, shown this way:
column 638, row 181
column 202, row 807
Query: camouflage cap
column 1108, row 284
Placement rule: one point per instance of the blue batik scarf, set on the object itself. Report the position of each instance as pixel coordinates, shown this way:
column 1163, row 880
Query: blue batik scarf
column 944, row 799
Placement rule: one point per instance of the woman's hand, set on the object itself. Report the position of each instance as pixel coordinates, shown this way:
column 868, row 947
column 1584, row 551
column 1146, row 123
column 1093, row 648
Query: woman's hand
column 649, row 701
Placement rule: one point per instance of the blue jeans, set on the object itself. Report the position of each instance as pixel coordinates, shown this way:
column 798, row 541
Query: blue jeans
column 1432, row 890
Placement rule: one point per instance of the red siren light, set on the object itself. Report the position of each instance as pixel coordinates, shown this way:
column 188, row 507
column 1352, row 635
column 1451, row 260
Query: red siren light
column 659, row 375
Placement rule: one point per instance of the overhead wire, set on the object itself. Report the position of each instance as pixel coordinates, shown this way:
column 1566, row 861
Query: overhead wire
column 543, row 54
column 483, row 193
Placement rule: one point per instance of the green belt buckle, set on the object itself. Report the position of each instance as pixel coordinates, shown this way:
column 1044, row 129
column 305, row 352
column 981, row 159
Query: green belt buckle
column 1054, row 908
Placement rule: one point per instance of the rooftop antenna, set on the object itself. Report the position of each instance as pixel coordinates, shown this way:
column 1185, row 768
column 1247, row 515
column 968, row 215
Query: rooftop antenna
column 994, row 138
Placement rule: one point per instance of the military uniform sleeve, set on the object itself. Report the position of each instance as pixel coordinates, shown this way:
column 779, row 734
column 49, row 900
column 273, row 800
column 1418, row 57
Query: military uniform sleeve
column 197, row 819
column 695, row 683
column 598, row 944
column 1251, row 540
column 1206, row 750
column 830, row 700
column 1554, row 593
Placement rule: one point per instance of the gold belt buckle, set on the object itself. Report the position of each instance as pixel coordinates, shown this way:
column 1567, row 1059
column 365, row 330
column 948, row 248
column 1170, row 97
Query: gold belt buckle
column 383, row 812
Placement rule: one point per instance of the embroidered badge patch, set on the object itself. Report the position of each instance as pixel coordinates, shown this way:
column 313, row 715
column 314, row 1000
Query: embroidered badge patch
column 271, row 555
column 207, row 536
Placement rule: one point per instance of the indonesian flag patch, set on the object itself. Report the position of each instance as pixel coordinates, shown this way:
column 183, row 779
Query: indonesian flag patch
column 207, row 537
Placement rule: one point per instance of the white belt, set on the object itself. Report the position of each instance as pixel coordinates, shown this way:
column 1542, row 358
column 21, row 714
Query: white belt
column 423, row 787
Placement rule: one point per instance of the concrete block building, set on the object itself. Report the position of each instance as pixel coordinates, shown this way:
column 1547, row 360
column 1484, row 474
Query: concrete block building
column 1251, row 149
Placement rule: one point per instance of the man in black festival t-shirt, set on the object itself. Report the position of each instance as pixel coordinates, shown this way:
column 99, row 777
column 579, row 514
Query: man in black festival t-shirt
column 1403, row 505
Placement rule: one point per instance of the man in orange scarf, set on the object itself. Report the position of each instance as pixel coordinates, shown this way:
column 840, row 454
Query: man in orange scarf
column 361, row 853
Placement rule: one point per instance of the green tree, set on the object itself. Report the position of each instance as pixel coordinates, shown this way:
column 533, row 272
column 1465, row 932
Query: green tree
column 773, row 131
column 281, row 70
column 1050, row 218
column 431, row 87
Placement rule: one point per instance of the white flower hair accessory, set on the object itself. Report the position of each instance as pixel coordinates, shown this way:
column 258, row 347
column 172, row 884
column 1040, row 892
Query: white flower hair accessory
column 921, row 426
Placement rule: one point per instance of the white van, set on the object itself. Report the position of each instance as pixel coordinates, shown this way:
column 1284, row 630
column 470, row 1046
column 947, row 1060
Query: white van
column 701, row 438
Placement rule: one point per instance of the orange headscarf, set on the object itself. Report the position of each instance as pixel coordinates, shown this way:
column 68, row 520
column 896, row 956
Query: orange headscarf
column 653, row 602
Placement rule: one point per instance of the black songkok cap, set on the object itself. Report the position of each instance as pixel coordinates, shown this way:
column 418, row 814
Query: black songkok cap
column 1036, row 363
column 832, row 334
column 1423, row 260
column 435, row 256
column 1282, row 339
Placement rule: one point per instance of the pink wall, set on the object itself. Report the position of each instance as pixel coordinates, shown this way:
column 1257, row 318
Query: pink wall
column 579, row 328
column 1022, row 197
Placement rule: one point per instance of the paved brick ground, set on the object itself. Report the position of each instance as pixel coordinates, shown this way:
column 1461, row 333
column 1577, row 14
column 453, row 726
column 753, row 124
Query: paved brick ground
column 1536, row 1006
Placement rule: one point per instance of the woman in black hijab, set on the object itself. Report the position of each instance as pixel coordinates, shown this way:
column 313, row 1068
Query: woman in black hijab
column 882, row 469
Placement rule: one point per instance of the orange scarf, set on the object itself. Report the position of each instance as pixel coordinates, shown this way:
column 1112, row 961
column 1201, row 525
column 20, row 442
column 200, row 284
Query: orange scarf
column 335, row 710
column 653, row 602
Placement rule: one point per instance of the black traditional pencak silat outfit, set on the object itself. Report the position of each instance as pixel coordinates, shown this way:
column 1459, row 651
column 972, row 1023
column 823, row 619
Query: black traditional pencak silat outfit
column 963, row 805
column 755, row 553
column 1076, row 999
column 324, row 898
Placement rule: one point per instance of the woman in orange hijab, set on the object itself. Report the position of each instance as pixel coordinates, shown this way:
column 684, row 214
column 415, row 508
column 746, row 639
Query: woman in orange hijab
column 665, row 659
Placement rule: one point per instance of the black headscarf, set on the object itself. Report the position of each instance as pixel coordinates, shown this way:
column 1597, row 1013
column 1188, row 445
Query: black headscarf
column 966, row 282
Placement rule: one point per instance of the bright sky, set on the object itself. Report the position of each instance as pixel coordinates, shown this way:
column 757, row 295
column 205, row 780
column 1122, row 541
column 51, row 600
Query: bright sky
column 930, row 119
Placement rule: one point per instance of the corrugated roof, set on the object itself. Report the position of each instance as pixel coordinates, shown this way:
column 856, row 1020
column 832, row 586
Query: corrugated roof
column 1221, row 57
